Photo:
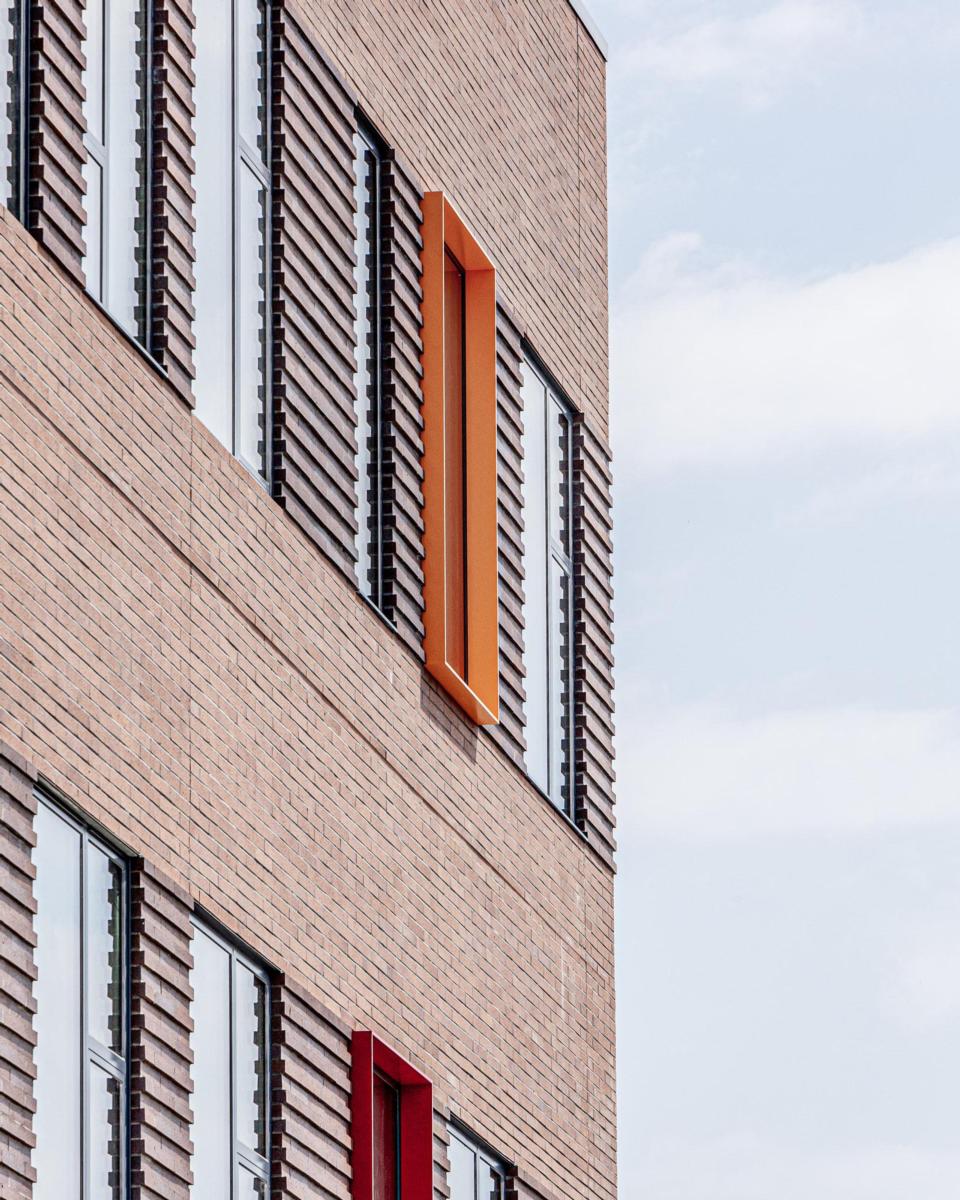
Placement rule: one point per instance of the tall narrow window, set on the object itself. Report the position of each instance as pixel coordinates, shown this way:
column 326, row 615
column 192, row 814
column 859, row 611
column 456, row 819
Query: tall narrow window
column 12, row 49
column 115, row 170
column 232, row 184
column 460, row 463
column 369, row 280
column 386, row 1138
column 231, row 1119
column 81, row 1019
column 475, row 1174
column 548, row 588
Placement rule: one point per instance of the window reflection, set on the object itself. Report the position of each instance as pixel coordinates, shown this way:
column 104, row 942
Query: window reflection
column 9, row 117
column 474, row 1173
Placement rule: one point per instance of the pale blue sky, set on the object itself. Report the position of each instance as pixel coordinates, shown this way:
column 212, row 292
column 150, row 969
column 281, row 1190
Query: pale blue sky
column 785, row 266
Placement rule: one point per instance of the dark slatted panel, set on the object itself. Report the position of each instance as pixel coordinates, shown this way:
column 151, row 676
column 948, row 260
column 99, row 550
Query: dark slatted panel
column 173, row 225
column 160, row 1055
column 509, row 733
column 310, row 1074
column 55, row 210
column 314, row 340
column 403, row 434
column 593, row 633
column 18, row 808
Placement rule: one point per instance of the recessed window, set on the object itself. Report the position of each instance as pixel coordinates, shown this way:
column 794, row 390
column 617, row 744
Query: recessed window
column 460, row 462
column 391, row 1124
column 475, row 1174
column 81, row 1017
column 115, row 171
column 232, row 183
column 369, row 379
column 548, row 587
column 231, row 1086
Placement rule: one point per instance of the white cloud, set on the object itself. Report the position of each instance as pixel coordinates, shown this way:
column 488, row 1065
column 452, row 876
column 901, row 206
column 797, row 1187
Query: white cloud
column 697, row 772
column 715, row 361
column 756, row 52
column 750, row 1168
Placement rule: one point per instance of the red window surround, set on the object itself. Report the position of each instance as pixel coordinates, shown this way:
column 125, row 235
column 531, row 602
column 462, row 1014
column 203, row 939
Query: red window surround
column 373, row 1117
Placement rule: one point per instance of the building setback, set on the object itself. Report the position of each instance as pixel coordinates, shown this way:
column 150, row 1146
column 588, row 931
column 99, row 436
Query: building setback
column 306, row 767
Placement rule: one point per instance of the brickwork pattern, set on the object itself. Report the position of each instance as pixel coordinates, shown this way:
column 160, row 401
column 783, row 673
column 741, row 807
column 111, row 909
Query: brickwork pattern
column 181, row 661
column 17, row 974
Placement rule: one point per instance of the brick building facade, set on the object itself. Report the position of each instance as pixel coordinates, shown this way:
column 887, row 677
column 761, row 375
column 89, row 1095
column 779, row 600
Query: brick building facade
column 213, row 678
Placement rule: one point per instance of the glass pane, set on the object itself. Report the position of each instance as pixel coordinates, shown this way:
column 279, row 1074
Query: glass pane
column 213, row 298
column 93, row 232
column 367, row 378
column 386, row 1128
column 125, row 194
column 212, row 1150
column 251, row 1186
column 559, row 476
column 105, row 950
column 535, row 557
column 251, row 74
column 251, row 302
column 251, row 1060
column 8, row 86
column 462, row 1177
column 489, row 1183
column 106, row 1116
column 455, row 468
column 59, row 1052
column 93, row 73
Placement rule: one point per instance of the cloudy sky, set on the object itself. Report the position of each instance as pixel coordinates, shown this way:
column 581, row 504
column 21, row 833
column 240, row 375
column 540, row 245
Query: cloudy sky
column 785, row 262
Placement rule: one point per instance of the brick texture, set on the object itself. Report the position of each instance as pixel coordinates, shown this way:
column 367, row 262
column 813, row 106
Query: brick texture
column 57, row 154
column 18, row 808
column 160, row 1055
column 185, row 665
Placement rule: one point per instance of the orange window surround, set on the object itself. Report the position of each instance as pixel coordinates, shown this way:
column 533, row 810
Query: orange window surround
column 461, row 616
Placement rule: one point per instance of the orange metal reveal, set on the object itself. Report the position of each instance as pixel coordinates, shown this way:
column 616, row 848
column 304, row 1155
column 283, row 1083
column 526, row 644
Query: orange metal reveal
column 461, row 619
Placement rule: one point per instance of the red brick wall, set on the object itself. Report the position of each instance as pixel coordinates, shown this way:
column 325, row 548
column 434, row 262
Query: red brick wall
column 184, row 664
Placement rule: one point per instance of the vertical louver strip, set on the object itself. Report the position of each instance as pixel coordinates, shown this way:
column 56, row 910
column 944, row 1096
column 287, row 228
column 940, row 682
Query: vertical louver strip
column 171, row 338
column 593, row 634
column 18, row 809
column 160, row 1055
column 56, row 150
column 314, row 339
column 403, row 441
column 310, row 1072
column 509, row 733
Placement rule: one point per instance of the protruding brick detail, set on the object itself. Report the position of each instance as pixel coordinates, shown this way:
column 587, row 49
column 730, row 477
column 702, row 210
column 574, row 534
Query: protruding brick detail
column 172, row 223
column 310, row 1078
column 509, row 733
column 18, row 808
column 160, row 1055
column 314, row 326
column 55, row 211
column 402, row 397
column 593, row 634
column 441, row 1157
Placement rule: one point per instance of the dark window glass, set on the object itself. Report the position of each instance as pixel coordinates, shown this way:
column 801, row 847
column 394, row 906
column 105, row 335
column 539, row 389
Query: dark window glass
column 231, row 1130
column 386, row 1139
column 115, row 170
column 548, row 588
column 475, row 1174
column 369, row 378
column 455, row 483
column 232, row 211
column 81, row 969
